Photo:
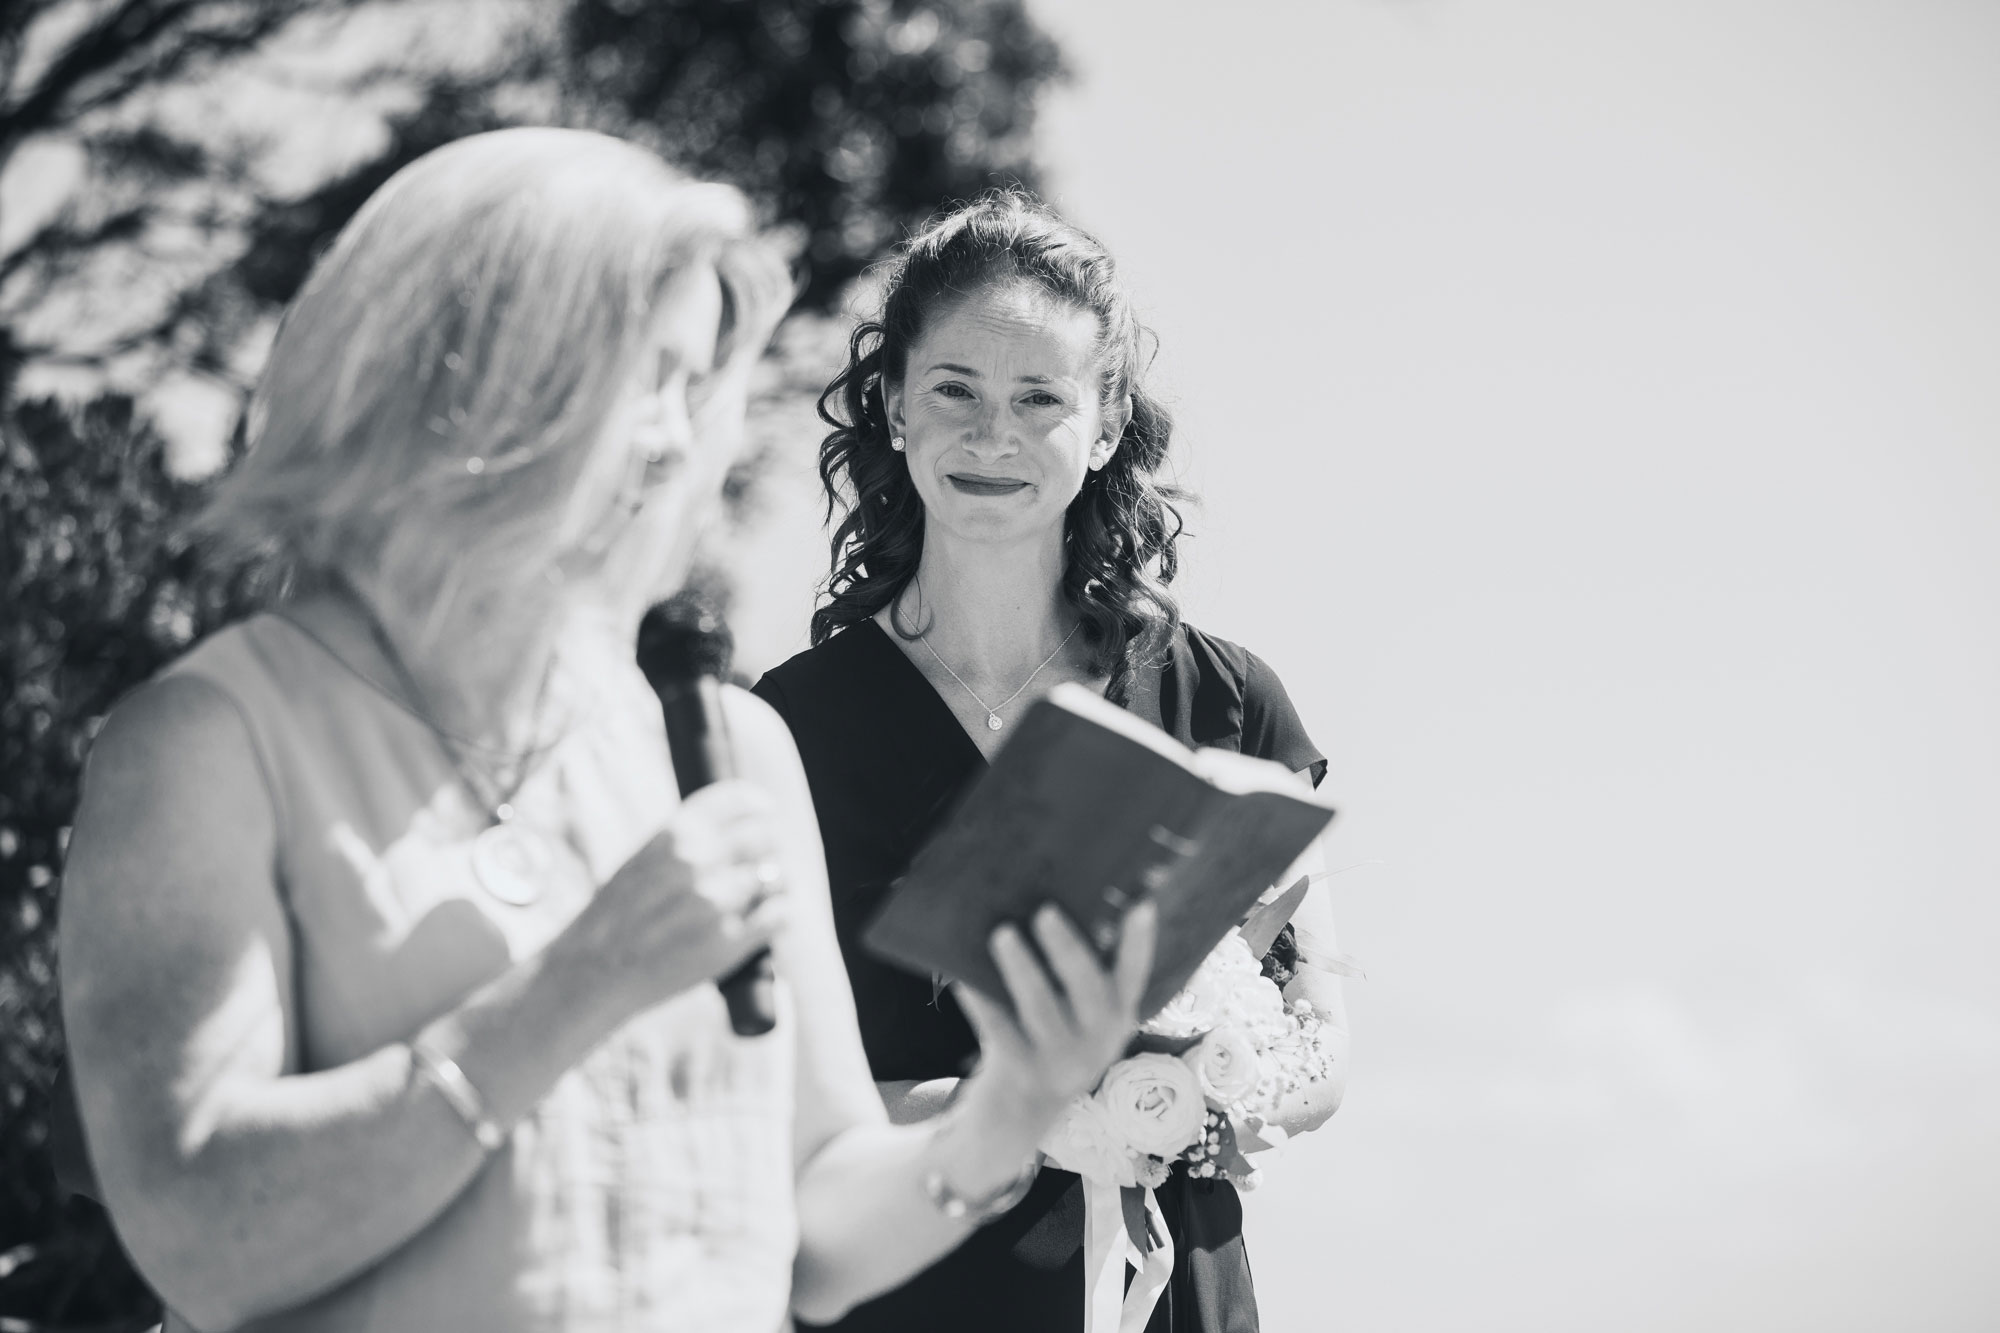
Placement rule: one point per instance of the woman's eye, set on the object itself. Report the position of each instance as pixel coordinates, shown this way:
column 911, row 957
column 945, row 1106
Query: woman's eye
column 952, row 389
column 1044, row 400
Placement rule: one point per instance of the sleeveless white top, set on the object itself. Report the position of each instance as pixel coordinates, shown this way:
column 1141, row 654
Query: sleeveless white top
column 652, row 1188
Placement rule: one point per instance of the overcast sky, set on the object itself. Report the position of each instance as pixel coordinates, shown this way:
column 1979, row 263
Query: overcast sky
column 1597, row 406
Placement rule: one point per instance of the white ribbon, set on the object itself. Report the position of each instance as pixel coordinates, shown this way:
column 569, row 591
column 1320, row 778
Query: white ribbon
column 1108, row 1306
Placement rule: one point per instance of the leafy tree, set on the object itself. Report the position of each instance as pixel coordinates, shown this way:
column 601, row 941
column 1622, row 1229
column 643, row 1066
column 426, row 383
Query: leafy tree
column 93, row 74
column 845, row 120
column 853, row 119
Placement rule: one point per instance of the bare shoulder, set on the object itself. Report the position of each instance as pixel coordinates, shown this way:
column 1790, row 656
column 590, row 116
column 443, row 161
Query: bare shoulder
column 176, row 744
column 171, row 917
column 763, row 741
column 170, row 713
column 767, row 755
column 176, row 828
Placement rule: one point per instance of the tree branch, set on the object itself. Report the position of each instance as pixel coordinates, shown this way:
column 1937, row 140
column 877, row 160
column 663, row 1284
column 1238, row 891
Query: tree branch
column 100, row 46
column 139, row 44
column 59, row 238
column 162, row 66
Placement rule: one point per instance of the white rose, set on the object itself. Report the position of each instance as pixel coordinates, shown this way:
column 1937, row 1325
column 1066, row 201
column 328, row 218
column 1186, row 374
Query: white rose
column 1226, row 1063
column 1154, row 1103
column 1083, row 1140
column 1189, row 1014
column 1198, row 1006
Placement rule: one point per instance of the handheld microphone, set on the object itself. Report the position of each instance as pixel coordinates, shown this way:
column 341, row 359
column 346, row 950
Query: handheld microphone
column 684, row 651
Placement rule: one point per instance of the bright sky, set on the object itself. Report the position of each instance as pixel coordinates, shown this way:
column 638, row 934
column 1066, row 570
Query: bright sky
column 1596, row 409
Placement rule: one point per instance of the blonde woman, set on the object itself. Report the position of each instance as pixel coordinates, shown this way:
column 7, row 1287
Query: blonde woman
column 386, row 942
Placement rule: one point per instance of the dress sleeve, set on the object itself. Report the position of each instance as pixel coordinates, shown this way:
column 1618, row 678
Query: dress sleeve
column 1271, row 726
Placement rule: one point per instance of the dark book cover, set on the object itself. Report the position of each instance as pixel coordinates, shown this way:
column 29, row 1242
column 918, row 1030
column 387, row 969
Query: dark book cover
column 1090, row 808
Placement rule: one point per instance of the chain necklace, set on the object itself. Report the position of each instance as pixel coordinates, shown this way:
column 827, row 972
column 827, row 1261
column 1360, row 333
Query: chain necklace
column 511, row 861
column 993, row 722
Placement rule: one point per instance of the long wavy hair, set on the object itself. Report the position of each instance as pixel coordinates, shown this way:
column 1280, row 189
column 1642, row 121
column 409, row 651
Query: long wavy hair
column 1119, row 533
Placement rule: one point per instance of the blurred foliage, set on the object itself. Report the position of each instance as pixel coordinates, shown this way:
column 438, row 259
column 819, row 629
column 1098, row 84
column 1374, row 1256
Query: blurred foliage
column 853, row 119
column 92, row 75
column 847, row 121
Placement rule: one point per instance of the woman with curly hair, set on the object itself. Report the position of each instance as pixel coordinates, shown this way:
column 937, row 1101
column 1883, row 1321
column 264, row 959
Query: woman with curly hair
column 996, row 455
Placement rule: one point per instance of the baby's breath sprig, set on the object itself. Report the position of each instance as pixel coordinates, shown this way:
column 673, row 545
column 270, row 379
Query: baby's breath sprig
column 1205, row 1156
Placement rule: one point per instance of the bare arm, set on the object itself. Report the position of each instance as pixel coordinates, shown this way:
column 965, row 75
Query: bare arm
column 866, row 1221
column 910, row 1100
column 241, row 1185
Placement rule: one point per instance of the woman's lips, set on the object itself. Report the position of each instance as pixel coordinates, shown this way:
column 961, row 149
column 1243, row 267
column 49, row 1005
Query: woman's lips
column 976, row 485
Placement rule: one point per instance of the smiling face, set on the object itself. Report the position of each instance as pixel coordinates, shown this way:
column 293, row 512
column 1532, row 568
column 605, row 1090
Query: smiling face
column 1002, row 413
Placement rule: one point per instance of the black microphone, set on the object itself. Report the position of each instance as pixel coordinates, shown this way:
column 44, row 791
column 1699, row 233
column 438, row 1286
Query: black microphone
column 684, row 651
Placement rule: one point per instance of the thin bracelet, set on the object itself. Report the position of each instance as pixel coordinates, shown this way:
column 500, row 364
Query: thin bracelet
column 984, row 1209
column 955, row 1205
column 444, row 1074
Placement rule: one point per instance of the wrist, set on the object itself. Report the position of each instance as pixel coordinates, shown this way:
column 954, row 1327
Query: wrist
column 576, row 975
column 443, row 1074
column 970, row 1176
column 1010, row 1114
column 515, row 1036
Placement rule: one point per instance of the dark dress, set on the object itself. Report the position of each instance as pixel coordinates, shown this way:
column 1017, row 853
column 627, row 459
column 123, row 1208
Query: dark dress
column 886, row 758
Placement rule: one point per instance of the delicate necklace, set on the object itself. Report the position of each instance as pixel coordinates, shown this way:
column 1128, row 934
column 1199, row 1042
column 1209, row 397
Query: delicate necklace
column 511, row 861
column 993, row 722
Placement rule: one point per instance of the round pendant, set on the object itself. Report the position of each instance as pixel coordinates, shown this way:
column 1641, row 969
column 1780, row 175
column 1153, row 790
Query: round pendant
column 993, row 722
column 511, row 863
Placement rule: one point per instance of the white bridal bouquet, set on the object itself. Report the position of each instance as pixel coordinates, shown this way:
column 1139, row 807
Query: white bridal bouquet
column 1204, row 1076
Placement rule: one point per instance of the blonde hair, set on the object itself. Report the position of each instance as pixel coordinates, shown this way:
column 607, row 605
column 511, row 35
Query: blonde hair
column 434, row 388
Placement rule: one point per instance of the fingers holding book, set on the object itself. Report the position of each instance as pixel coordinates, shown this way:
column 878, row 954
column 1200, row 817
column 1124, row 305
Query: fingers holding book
column 1072, row 1015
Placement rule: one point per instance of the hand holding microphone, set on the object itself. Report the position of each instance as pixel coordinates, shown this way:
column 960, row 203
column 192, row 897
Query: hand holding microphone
column 684, row 652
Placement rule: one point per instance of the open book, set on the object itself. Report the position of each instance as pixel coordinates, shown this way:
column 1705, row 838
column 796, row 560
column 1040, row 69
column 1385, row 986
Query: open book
column 1092, row 809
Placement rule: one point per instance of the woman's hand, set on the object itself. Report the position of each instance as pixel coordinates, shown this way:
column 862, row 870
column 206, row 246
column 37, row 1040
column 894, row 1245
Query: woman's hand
column 1071, row 1019
column 870, row 1210
column 692, row 904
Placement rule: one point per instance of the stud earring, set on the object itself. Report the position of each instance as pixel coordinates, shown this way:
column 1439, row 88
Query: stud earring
column 1097, row 462
column 896, row 443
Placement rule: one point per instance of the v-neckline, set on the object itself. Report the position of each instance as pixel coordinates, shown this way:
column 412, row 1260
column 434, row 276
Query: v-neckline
column 930, row 692
column 1144, row 696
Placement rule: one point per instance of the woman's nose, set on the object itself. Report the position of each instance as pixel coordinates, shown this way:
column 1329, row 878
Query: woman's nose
column 992, row 436
column 665, row 426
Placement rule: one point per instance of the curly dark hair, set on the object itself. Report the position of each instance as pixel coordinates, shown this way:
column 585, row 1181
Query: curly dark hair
column 1120, row 531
